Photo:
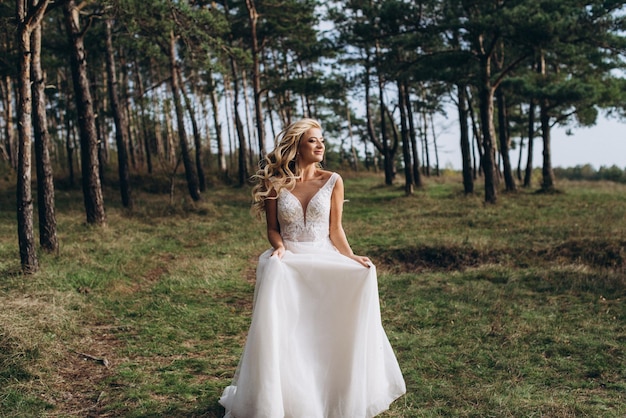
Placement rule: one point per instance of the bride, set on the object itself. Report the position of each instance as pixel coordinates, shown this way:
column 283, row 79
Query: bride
column 316, row 347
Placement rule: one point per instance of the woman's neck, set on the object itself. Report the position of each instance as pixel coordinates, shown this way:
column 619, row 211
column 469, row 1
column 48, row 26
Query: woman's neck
column 308, row 172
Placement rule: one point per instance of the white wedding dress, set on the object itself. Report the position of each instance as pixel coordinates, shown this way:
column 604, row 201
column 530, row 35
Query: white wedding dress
column 316, row 347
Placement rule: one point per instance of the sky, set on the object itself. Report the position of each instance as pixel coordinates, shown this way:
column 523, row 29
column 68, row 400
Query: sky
column 601, row 145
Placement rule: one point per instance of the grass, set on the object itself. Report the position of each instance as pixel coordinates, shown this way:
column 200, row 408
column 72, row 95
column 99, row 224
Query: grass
column 512, row 310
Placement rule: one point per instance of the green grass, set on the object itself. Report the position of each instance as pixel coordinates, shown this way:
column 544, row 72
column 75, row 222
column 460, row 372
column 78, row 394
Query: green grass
column 512, row 310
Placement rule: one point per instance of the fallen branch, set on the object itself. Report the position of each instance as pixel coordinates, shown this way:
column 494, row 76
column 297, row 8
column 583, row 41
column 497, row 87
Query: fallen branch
column 102, row 360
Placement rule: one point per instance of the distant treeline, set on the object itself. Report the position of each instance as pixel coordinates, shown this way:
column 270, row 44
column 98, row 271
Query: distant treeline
column 588, row 172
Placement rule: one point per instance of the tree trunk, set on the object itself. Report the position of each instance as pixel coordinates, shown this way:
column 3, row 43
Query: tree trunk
column 243, row 162
column 547, row 182
column 406, row 152
column 169, row 143
column 134, row 135
column 436, row 148
column 256, row 75
column 503, row 127
column 355, row 160
column 100, row 104
column 134, row 147
column 386, row 149
column 142, row 114
column 27, row 21
column 8, row 148
column 424, row 137
column 528, row 174
column 45, row 181
column 161, row 126
column 486, row 94
column 28, row 254
column 92, row 190
column 476, row 139
column 221, row 157
column 518, row 173
column 228, row 104
column 382, row 145
column 197, row 140
column 370, row 119
column 466, row 157
column 119, row 119
column 207, row 130
column 69, row 150
column 417, row 175
column 190, row 172
column 252, row 159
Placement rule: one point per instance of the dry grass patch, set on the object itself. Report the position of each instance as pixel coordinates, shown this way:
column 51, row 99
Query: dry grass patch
column 46, row 349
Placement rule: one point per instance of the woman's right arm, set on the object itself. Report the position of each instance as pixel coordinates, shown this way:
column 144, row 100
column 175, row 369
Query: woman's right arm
column 273, row 228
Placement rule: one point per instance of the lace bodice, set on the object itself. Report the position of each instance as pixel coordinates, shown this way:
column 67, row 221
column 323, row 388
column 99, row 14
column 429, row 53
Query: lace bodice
column 306, row 224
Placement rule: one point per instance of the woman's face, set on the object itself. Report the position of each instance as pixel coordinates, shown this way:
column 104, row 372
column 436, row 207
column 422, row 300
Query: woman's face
column 311, row 148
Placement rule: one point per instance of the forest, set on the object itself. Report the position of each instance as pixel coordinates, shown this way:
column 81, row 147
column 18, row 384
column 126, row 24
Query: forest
column 127, row 88
column 129, row 130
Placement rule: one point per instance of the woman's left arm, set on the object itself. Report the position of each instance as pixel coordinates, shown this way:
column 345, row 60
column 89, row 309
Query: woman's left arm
column 337, row 234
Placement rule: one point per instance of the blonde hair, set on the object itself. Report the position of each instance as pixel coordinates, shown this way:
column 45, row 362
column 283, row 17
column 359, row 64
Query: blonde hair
column 279, row 168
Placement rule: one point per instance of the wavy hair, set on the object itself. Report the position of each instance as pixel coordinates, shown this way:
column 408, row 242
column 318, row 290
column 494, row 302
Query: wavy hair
column 279, row 168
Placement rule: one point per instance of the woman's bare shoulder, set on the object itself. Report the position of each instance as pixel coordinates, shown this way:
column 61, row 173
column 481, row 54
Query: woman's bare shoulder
column 325, row 174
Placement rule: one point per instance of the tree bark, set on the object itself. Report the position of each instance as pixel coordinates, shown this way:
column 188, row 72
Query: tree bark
column 243, row 163
column 505, row 141
column 169, row 143
column 147, row 143
column 425, row 148
column 221, row 157
column 9, row 147
column 243, row 152
column 26, row 239
column 252, row 158
column 119, row 119
column 518, row 172
column 477, row 162
column 256, row 75
column 69, row 148
column 197, row 140
column 228, row 104
column 406, row 153
column 386, row 149
column 134, row 143
column 134, row 148
column 27, row 21
column 92, row 190
column 436, row 148
column 99, row 104
column 417, row 174
column 547, row 182
column 382, row 144
column 190, row 172
column 355, row 160
column 485, row 95
column 45, row 181
column 528, row 174
column 466, row 157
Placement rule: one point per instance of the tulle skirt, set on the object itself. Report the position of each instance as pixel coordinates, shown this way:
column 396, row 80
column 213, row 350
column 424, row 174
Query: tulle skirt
column 316, row 347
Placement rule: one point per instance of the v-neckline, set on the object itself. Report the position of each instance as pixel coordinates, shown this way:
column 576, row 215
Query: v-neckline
column 305, row 208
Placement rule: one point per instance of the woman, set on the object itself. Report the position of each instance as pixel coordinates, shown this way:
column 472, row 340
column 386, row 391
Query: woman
column 316, row 347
